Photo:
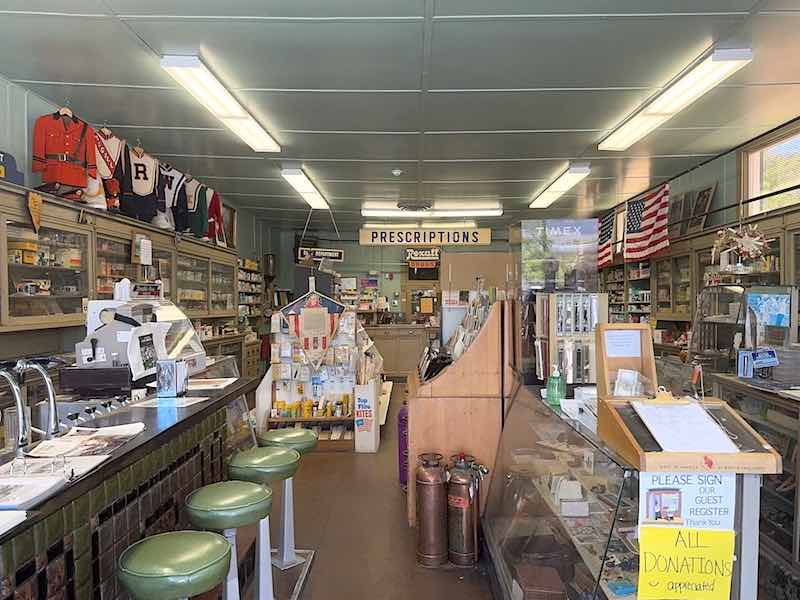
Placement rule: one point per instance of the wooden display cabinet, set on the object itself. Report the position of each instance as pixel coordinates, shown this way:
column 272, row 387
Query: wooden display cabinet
column 224, row 285
column 192, row 289
column 673, row 288
column 46, row 275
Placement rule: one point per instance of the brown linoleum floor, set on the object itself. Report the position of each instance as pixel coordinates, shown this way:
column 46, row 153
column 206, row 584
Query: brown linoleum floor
column 350, row 509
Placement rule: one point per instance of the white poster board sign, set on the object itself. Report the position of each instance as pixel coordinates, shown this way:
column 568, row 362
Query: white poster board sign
column 696, row 500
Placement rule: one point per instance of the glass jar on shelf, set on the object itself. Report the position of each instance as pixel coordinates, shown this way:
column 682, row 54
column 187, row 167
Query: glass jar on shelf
column 47, row 271
column 113, row 264
column 192, row 278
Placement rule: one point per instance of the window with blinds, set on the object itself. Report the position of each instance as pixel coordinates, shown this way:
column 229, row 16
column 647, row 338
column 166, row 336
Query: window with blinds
column 770, row 169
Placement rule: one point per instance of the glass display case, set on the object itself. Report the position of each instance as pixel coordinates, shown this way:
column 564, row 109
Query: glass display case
column 673, row 278
column 682, row 286
column 113, row 263
column 718, row 320
column 192, row 280
column 47, row 271
column 223, row 287
column 550, row 519
column 663, row 286
column 162, row 269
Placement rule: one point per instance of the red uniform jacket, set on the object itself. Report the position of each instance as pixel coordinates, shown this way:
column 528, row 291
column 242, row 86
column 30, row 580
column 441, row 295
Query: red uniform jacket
column 63, row 150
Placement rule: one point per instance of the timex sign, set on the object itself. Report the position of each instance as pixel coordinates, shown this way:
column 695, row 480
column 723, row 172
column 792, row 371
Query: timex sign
column 332, row 254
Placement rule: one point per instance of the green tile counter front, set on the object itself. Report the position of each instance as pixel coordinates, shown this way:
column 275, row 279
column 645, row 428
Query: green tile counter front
column 68, row 547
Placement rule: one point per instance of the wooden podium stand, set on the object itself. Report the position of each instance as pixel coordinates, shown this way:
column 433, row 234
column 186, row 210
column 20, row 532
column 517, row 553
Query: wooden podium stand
column 620, row 426
column 461, row 409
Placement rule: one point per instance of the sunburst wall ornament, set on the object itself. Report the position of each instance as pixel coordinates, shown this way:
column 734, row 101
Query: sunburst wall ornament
column 747, row 242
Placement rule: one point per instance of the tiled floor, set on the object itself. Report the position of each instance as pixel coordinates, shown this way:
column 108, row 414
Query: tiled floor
column 351, row 510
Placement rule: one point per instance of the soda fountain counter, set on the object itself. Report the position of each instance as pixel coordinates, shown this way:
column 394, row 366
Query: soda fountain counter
column 67, row 544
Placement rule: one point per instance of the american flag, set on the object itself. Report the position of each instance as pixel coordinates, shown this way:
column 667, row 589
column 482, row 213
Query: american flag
column 605, row 249
column 646, row 224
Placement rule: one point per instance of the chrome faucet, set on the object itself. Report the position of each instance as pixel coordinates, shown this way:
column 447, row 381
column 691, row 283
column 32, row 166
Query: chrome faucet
column 23, row 423
column 52, row 410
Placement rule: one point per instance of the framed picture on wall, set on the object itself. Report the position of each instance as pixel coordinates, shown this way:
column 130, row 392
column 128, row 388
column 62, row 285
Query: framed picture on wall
column 675, row 215
column 702, row 203
column 686, row 211
column 229, row 219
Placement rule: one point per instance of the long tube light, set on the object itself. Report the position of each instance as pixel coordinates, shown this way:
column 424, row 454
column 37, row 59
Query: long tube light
column 423, row 225
column 298, row 179
column 440, row 209
column 200, row 82
column 708, row 73
column 575, row 173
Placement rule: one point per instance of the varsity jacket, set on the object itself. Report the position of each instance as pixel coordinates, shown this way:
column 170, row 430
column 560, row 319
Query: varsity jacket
column 63, row 150
column 197, row 204
column 109, row 152
column 138, row 177
column 216, row 229
column 171, row 194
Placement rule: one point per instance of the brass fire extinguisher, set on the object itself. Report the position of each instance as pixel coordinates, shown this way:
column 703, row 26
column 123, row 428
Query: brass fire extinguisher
column 463, row 509
column 431, row 511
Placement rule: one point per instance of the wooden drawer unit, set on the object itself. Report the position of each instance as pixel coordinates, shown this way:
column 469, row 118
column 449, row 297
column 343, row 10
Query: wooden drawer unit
column 252, row 359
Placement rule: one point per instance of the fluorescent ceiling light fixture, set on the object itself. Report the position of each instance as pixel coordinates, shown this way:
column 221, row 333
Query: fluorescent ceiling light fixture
column 423, row 225
column 298, row 179
column 194, row 76
column 688, row 87
column 448, row 225
column 575, row 173
column 440, row 209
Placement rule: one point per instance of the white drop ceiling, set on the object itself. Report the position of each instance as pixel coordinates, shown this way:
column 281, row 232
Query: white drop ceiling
column 473, row 100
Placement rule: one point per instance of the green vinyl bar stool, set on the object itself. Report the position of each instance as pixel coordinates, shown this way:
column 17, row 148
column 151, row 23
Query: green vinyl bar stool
column 303, row 441
column 225, row 506
column 264, row 466
column 174, row 565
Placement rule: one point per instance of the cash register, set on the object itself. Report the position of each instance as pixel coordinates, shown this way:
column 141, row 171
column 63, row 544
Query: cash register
column 127, row 336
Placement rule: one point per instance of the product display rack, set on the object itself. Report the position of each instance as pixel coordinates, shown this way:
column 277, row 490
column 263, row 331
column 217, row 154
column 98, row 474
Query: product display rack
column 324, row 399
column 459, row 409
column 565, row 326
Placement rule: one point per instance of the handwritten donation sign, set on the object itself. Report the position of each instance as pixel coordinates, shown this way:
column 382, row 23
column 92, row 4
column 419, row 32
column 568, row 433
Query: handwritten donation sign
column 680, row 563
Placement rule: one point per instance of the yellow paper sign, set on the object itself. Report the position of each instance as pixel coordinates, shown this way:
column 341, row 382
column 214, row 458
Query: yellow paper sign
column 679, row 563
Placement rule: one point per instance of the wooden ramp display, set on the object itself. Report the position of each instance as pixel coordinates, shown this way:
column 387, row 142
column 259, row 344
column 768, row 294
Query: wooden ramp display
column 460, row 410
